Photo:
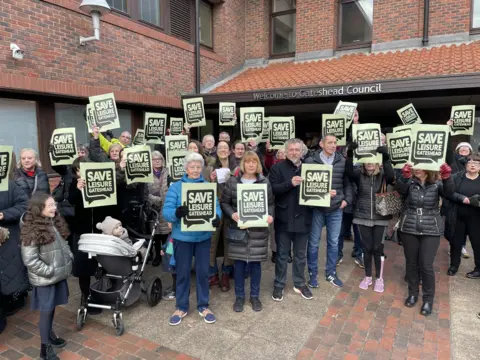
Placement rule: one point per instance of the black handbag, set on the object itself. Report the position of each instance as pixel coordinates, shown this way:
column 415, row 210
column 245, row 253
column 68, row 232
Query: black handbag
column 236, row 236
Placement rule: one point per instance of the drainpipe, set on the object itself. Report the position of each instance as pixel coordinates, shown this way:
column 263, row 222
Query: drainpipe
column 426, row 17
column 197, row 46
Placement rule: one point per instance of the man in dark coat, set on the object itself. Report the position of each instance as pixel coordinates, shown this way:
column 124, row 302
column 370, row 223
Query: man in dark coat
column 13, row 275
column 331, row 217
column 292, row 221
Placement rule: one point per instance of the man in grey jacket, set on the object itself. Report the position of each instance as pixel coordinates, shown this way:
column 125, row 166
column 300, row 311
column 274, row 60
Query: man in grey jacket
column 331, row 217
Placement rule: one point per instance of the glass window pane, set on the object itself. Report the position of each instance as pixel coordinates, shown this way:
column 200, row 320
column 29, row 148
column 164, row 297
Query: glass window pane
column 24, row 133
column 68, row 115
column 150, row 11
column 120, row 5
column 356, row 22
column 476, row 14
column 284, row 34
column 206, row 36
column 283, row 5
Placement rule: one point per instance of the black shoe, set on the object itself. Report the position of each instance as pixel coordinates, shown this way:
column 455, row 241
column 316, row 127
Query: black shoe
column 238, row 305
column 277, row 294
column 56, row 342
column 475, row 274
column 256, row 304
column 274, row 257
column 290, row 259
column 452, row 270
column 3, row 323
column 47, row 353
column 426, row 308
column 304, row 291
column 411, row 301
column 157, row 261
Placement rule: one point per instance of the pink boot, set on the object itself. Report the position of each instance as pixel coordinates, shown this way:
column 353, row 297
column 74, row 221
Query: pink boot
column 379, row 285
column 366, row 282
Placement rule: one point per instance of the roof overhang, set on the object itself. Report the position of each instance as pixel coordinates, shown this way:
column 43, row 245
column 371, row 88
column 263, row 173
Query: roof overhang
column 301, row 94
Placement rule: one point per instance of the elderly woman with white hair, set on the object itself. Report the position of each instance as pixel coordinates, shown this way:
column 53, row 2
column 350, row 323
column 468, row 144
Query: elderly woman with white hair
column 29, row 174
column 189, row 244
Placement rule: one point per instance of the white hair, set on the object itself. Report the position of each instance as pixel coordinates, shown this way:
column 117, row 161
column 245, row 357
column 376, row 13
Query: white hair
column 207, row 137
column 157, row 154
column 193, row 157
column 35, row 154
column 293, row 141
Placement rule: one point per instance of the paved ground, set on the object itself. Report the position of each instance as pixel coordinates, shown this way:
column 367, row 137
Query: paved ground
column 338, row 324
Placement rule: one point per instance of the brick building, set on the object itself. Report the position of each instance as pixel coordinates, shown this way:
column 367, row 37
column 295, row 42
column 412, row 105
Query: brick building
column 293, row 57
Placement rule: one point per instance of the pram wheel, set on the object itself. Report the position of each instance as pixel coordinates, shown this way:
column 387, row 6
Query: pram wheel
column 81, row 317
column 117, row 321
column 154, row 292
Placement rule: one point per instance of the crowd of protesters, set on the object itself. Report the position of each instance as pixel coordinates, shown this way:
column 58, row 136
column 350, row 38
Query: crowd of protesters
column 40, row 230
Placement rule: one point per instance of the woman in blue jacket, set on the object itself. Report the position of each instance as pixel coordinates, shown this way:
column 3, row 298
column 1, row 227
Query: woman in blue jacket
column 189, row 244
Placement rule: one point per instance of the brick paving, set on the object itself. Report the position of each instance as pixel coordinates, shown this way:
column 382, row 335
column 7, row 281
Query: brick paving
column 357, row 325
column 367, row 325
column 21, row 340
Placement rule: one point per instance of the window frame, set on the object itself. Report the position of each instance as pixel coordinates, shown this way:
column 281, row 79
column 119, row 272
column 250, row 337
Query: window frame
column 210, row 6
column 473, row 30
column 115, row 10
column 272, row 16
column 357, row 45
column 134, row 14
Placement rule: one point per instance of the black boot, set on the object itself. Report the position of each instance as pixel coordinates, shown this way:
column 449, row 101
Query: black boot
column 47, row 352
column 426, row 308
column 411, row 301
column 55, row 341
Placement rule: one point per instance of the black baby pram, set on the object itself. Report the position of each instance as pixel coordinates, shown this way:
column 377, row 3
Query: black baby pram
column 120, row 277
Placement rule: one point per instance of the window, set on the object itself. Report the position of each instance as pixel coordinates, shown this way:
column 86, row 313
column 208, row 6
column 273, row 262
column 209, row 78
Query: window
column 475, row 14
column 150, row 11
column 24, row 133
column 355, row 22
column 206, row 28
column 283, row 23
column 120, row 5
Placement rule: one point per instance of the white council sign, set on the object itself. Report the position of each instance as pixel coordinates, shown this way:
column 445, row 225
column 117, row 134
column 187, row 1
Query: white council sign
column 320, row 92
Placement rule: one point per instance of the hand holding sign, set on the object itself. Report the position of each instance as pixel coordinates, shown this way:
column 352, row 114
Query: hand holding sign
column 407, row 171
column 269, row 219
column 296, row 180
column 181, row 211
column 445, row 171
column 235, row 217
column 80, row 184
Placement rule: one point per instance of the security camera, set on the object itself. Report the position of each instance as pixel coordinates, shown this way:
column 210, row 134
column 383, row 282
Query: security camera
column 17, row 53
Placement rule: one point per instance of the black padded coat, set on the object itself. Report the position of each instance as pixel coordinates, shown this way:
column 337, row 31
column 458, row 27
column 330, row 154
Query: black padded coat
column 13, row 274
column 421, row 215
column 32, row 184
column 256, row 248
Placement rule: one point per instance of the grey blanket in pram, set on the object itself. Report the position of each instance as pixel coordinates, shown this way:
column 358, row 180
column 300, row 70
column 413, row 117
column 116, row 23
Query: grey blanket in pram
column 99, row 244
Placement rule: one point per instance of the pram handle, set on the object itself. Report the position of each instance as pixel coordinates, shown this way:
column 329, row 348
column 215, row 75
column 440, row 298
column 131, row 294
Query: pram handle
column 146, row 236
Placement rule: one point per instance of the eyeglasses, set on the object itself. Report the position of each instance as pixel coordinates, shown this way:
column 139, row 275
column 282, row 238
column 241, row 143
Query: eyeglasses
column 156, row 159
column 474, row 163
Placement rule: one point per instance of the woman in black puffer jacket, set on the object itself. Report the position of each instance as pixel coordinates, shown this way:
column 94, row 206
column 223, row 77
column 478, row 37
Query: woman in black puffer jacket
column 370, row 179
column 29, row 176
column 421, row 226
column 254, row 250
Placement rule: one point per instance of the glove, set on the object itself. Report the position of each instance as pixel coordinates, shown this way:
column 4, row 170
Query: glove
column 382, row 150
column 216, row 222
column 407, row 171
column 445, row 171
column 181, row 211
column 475, row 200
column 353, row 146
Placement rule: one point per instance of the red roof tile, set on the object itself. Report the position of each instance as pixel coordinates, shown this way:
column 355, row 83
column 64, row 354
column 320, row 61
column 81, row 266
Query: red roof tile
column 444, row 60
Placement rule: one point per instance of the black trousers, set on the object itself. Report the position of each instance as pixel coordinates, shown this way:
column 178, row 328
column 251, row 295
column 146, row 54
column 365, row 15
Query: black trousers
column 465, row 226
column 372, row 238
column 158, row 241
column 284, row 244
column 420, row 252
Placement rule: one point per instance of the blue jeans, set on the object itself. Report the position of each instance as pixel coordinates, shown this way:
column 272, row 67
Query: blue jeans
column 346, row 226
column 333, row 221
column 255, row 277
column 184, row 253
column 226, row 269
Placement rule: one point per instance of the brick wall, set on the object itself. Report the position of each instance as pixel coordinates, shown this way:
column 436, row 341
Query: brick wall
column 449, row 16
column 257, row 29
column 316, row 25
column 397, row 20
column 141, row 63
